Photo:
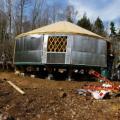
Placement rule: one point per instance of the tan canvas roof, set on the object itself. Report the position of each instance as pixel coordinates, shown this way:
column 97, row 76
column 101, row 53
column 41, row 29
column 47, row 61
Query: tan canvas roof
column 62, row 27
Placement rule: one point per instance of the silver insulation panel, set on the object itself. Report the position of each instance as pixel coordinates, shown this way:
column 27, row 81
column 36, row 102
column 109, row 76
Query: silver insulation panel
column 55, row 58
column 29, row 50
column 88, row 51
column 80, row 50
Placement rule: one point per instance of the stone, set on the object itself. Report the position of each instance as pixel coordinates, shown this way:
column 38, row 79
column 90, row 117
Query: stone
column 38, row 116
column 62, row 94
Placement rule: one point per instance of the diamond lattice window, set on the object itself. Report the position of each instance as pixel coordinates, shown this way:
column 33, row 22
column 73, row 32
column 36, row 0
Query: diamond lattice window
column 57, row 43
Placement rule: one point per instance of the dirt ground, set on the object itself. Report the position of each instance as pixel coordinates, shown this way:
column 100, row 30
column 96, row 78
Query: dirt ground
column 52, row 100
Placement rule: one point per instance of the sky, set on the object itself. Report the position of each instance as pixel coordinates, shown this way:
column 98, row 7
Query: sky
column 60, row 2
column 107, row 10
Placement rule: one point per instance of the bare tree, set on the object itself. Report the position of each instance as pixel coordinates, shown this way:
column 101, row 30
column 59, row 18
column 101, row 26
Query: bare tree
column 26, row 24
column 20, row 6
column 54, row 12
column 3, row 29
column 57, row 12
column 9, row 12
column 37, row 13
column 46, row 18
column 2, row 5
column 71, row 13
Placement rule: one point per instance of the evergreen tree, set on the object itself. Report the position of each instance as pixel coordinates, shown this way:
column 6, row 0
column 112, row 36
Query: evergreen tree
column 69, row 19
column 85, row 22
column 112, row 28
column 99, row 27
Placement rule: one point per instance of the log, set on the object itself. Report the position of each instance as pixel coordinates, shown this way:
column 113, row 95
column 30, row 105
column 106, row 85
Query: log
column 16, row 87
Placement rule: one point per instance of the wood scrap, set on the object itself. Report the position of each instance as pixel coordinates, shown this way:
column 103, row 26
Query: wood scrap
column 16, row 87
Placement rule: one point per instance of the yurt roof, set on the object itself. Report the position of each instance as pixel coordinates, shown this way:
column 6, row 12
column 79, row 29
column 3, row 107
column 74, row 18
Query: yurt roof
column 62, row 27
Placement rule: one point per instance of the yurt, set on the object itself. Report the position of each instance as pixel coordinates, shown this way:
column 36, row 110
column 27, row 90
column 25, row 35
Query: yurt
column 60, row 45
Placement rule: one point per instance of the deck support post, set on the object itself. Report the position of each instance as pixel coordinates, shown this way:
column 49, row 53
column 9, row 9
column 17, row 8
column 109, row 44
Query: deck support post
column 69, row 74
column 50, row 70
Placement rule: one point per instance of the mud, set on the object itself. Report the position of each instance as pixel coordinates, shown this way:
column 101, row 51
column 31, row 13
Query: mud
column 52, row 100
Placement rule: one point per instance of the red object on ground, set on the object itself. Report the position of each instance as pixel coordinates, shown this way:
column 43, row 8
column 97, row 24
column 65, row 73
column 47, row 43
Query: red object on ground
column 107, row 81
column 92, row 87
column 98, row 75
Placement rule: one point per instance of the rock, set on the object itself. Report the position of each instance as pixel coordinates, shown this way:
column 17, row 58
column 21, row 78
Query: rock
column 62, row 94
column 17, row 72
column 61, row 89
column 38, row 116
column 32, row 76
column 4, row 79
column 50, row 119
column 17, row 118
column 73, row 112
column 22, row 74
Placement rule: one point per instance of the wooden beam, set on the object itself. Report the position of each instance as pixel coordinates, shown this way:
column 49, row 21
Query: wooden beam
column 16, row 87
